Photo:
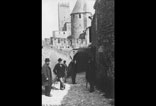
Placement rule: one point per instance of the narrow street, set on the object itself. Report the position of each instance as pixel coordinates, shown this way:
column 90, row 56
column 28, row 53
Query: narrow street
column 82, row 32
column 72, row 95
column 75, row 95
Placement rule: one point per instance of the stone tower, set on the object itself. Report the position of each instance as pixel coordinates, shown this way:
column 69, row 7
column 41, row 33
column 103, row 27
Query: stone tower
column 80, row 18
column 63, row 14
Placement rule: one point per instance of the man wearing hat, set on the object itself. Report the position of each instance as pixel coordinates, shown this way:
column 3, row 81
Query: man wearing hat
column 59, row 72
column 47, row 77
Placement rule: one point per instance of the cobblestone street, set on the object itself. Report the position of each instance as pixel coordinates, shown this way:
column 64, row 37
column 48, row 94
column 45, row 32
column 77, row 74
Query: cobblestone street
column 75, row 95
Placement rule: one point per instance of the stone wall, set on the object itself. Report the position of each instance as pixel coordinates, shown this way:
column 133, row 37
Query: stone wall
column 62, row 43
column 79, row 23
column 102, row 35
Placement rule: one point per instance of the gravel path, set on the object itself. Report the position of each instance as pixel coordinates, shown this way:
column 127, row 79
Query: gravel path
column 79, row 95
column 75, row 95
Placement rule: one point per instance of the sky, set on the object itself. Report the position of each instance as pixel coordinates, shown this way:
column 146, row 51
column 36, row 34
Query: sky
column 50, row 15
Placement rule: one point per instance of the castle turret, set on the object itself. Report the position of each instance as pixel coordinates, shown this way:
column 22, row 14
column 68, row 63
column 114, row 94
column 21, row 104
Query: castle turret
column 80, row 18
column 63, row 14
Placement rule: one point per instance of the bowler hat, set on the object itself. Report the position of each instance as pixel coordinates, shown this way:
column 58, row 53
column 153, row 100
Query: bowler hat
column 47, row 60
column 59, row 59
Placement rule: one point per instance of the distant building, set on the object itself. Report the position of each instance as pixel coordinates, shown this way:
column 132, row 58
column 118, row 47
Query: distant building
column 63, row 14
column 74, row 31
column 60, row 43
column 80, row 20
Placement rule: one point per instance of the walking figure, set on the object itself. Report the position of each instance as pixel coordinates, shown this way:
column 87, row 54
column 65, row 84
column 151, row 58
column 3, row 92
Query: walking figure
column 90, row 74
column 91, row 69
column 59, row 72
column 73, row 71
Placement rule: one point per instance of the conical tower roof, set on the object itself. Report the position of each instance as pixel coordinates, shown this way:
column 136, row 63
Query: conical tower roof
column 80, row 7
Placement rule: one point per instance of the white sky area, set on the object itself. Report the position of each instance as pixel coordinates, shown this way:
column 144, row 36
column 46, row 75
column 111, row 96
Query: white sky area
column 50, row 15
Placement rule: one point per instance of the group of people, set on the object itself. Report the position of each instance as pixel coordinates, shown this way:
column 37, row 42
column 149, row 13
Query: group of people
column 60, row 70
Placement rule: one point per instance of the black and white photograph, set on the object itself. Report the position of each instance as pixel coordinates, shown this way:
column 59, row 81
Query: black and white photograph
column 78, row 62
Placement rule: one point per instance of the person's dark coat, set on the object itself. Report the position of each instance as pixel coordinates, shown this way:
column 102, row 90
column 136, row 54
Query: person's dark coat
column 70, row 69
column 90, row 72
column 59, row 70
column 46, row 73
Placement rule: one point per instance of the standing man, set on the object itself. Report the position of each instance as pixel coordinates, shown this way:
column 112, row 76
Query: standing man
column 75, row 66
column 92, row 67
column 59, row 72
column 66, row 70
column 47, row 75
column 90, row 73
column 73, row 71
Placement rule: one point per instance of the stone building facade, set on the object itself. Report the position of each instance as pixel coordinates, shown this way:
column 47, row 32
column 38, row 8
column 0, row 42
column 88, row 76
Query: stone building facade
column 102, row 37
column 63, row 15
column 60, row 43
column 80, row 20
column 103, row 28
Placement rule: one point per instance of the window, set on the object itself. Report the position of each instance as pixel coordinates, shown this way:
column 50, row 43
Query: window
column 79, row 15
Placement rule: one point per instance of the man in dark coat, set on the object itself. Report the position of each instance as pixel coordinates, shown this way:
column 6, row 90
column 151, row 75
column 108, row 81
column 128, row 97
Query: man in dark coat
column 47, row 77
column 91, row 68
column 73, row 71
column 59, row 72
column 70, row 66
column 90, row 73
column 66, row 70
